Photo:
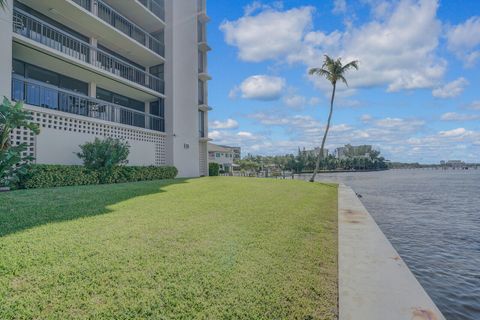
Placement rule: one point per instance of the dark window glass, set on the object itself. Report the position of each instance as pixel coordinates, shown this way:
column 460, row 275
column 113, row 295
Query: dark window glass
column 18, row 67
column 120, row 100
column 201, row 123
column 123, row 101
column 157, row 108
column 42, row 75
column 73, row 85
column 157, row 71
column 104, row 95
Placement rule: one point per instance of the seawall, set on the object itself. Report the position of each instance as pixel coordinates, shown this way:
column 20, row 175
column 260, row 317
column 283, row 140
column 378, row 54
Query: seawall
column 374, row 281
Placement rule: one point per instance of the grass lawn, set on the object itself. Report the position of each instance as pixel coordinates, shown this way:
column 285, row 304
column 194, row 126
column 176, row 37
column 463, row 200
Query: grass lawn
column 210, row 248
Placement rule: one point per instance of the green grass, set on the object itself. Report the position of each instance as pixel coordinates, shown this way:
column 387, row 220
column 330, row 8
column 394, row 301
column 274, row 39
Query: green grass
column 210, row 248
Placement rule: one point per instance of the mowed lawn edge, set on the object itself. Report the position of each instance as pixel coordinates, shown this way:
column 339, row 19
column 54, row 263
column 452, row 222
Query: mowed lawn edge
column 208, row 248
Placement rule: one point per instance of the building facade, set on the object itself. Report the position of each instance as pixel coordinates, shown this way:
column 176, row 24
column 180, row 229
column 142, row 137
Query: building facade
column 134, row 70
column 223, row 155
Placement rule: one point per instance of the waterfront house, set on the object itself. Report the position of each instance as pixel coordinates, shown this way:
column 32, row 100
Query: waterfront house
column 223, row 155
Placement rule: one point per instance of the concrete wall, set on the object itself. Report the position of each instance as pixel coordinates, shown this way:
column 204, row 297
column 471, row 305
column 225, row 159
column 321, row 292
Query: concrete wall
column 6, row 51
column 182, row 86
column 61, row 134
column 374, row 282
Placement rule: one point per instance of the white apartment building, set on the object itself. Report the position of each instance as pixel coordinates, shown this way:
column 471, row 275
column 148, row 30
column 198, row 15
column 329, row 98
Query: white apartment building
column 129, row 69
column 223, row 155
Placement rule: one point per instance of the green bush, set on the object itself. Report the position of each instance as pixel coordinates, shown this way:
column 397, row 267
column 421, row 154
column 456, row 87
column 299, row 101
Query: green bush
column 213, row 169
column 47, row 176
column 104, row 154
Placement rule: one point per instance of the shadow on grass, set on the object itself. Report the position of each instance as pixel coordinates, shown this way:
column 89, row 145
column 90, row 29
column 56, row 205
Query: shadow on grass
column 24, row 209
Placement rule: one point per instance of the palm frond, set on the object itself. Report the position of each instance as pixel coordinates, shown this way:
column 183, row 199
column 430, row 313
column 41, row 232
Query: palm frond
column 319, row 71
column 351, row 65
column 342, row 78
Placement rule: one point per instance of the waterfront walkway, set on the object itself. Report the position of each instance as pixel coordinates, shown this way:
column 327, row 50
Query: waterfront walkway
column 374, row 282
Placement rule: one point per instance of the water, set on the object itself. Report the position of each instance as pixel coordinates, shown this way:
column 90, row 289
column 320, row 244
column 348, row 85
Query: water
column 432, row 218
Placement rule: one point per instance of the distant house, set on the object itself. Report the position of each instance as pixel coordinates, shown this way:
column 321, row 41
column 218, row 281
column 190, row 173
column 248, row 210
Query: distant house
column 223, row 155
column 237, row 152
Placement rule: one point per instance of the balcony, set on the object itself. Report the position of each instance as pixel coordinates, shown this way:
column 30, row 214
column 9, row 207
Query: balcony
column 119, row 22
column 154, row 7
column 34, row 29
column 45, row 96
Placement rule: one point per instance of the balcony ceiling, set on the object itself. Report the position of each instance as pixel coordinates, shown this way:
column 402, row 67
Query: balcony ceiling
column 70, row 14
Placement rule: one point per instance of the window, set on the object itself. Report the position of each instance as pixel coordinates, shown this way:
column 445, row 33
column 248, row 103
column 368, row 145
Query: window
column 18, row 67
column 201, row 124
column 158, row 71
column 36, row 73
column 201, row 92
column 157, row 108
column 123, row 101
column 217, row 155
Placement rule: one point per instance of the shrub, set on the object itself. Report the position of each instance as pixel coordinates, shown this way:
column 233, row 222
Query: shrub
column 104, row 154
column 47, row 176
column 213, row 169
column 12, row 162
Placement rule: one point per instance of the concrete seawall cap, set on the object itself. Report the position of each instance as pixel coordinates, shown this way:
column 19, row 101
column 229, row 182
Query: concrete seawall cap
column 374, row 282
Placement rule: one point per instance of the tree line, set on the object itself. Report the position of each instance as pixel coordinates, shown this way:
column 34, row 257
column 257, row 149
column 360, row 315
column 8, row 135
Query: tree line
column 305, row 162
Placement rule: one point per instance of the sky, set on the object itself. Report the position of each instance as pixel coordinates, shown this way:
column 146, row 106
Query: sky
column 415, row 97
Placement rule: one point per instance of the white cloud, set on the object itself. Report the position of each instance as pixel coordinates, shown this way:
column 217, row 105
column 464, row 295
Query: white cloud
column 227, row 124
column 245, row 134
column 451, row 89
column 464, row 40
column 269, row 34
column 453, row 116
column 295, row 101
column 339, row 6
column 397, row 49
column 475, row 105
column 260, row 87
column 453, row 133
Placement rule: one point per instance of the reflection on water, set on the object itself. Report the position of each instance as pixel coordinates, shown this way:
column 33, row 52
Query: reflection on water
column 432, row 218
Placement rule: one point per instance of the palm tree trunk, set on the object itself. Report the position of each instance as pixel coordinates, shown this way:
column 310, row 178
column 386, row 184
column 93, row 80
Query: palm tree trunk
column 320, row 155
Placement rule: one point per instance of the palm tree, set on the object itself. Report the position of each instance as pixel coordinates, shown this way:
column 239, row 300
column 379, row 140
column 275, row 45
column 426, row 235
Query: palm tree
column 2, row 4
column 332, row 70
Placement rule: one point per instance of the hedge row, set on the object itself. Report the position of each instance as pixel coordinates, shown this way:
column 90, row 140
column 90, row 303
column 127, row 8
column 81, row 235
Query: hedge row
column 47, row 176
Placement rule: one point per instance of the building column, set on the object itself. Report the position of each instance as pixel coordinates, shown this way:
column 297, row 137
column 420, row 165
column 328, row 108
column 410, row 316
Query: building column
column 147, row 117
column 93, row 52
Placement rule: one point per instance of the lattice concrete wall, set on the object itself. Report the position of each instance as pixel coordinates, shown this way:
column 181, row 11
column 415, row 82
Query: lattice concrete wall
column 203, row 159
column 62, row 133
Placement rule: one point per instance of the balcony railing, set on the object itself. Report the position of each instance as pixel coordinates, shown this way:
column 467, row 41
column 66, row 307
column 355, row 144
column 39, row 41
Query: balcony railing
column 43, row 95
column 119, row 22
column 155, row 8
column 44, row 33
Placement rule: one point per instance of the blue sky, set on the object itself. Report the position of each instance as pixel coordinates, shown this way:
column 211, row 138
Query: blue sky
column 416, row 96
